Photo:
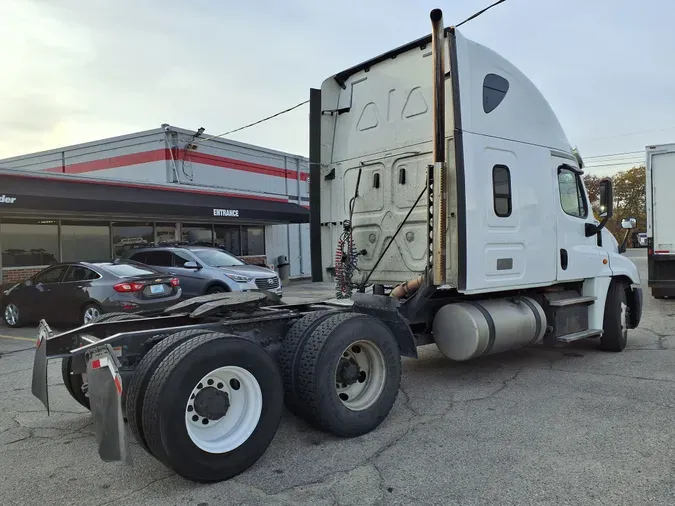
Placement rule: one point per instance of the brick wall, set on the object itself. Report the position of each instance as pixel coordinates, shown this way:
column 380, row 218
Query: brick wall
column 258, row 260
column 16, row 274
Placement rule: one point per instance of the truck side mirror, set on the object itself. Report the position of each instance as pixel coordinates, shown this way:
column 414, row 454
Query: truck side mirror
column 606, row 199
column 628, row 223
column 606, row 207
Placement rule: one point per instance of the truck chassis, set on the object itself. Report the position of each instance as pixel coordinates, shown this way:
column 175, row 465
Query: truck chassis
column 202, row 386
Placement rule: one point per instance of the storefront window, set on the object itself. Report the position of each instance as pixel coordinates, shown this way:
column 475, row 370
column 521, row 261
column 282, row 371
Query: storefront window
column 229, row 238
column 202, row 234
column 252, row 241
column 27, row 243
column 85, row 241
column 126, row 235
column 166, row 232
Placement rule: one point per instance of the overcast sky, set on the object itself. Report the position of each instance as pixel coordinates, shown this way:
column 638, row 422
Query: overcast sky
column 75, row 71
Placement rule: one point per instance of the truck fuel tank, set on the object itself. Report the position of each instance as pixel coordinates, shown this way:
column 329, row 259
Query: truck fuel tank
column 467, row 330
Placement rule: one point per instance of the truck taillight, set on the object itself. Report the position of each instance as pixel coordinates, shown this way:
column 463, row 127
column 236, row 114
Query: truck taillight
column 128, row 287
column 174, row 282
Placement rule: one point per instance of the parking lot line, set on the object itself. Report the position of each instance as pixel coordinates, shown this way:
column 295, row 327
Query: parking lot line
column 17, row 338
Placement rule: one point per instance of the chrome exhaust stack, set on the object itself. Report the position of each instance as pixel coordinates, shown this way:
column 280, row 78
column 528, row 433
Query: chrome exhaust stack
column 438, row 189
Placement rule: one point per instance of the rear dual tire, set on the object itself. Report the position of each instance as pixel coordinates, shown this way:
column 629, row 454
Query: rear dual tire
column 75, row 382
column 345, row 373
column 211, row 407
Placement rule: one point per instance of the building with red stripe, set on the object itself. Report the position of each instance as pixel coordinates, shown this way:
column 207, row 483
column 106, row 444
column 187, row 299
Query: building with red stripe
column 92, row 200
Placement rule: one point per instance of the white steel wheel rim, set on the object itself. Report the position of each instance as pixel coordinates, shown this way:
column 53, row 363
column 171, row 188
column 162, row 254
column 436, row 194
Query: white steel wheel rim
column 367, row 389
column 624, row 326
column 90, row 313
column 11, row 314
column 242, row 416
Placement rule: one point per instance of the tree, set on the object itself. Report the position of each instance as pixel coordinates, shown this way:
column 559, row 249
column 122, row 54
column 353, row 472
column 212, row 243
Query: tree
column 592, row 183
column 630, row 197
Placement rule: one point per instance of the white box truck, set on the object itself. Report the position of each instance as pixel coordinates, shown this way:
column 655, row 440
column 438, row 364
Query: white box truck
column 660, row 161
column 477, row 201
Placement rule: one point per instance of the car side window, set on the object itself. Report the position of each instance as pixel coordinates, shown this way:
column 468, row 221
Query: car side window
column 139, row 257
column 572, row 196
column 52, row 275
column 158, row 258
column 179, row 258
column 79, row 273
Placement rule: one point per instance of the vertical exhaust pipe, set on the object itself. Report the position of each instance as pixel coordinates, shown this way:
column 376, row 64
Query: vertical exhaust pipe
column 440, row 173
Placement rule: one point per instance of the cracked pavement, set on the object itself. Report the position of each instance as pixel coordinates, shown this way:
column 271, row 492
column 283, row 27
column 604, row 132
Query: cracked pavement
column 570, row 425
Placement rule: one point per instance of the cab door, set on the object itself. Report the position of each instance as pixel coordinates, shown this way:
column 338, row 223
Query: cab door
column 578, row 257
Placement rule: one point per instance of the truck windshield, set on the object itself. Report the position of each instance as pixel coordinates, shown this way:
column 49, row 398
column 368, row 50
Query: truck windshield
column 217, row 258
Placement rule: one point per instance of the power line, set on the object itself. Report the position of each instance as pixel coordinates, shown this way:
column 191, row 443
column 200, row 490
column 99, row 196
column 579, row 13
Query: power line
column 474, row 16
column 631, row 134
column 613, row 154
column 635, row 164
column 254, row 123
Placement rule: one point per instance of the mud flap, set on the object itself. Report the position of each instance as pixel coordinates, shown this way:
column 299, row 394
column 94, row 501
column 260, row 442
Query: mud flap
column 105, row 398
column 39, row 383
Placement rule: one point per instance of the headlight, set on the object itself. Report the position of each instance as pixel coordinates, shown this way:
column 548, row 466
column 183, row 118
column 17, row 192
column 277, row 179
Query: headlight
column 238, row 278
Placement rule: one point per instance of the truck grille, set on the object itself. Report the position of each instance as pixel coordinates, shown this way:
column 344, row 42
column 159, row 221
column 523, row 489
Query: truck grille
column 267, row 283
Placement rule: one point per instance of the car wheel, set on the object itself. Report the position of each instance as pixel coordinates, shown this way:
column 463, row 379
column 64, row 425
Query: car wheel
column 216, row 289
column 89, row 313
column 12, row 315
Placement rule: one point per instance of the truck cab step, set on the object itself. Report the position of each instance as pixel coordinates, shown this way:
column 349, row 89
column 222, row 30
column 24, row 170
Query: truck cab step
column 573, row 301
column 568, row 338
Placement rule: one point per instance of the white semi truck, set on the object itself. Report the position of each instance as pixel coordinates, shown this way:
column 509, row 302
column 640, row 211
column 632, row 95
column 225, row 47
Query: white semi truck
column 447, row 203
column 660, row 164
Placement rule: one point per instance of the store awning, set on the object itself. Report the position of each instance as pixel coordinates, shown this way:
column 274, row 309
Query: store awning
column 27, row 193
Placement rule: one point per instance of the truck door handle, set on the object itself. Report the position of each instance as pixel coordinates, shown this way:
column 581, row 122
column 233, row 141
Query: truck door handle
column 563, row 259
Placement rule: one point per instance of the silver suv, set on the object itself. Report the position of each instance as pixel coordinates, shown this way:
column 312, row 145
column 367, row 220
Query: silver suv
column 204, row 270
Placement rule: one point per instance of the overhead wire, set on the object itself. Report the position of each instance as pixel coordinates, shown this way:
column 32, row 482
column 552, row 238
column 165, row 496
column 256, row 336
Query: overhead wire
column 249, row 125
column 254, row 123
column 475, row 15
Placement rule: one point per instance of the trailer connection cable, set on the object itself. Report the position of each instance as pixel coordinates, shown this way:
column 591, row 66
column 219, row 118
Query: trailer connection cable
column 346, row 262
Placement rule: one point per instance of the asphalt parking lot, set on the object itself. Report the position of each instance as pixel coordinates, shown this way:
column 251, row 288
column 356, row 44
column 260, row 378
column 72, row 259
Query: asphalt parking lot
column 540, row 426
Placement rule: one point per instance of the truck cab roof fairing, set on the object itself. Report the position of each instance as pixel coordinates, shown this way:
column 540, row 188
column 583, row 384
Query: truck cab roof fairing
column 523, row 115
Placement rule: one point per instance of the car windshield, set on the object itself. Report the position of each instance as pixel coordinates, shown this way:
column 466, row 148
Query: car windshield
column 217, row 258
column 127, row 270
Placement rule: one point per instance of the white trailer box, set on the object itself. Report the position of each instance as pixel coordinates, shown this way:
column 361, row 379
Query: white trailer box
column 660, row 222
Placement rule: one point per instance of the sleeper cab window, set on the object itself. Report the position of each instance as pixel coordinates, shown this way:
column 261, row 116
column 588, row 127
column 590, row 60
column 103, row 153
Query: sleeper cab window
column 501, row 190
column 494, row 91
column 572, row 197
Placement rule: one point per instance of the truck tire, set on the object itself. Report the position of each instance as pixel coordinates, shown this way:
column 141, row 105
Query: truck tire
column 212, row 407
column 615, row 329
column 289, row 357
column 349, row 374
column 74, row 382
column 141, row 377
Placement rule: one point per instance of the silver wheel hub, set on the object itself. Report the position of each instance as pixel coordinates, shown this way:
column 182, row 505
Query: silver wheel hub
column 223, row 409
column 624, row 326
column 12, row 314
column 90, row 313
column 360, row 375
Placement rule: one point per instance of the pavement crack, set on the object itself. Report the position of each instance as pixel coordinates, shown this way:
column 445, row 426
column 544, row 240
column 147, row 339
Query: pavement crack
column 136, row 491
column 504, row 384
column 12, row 352
column 406, row 401
column 614, row 375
